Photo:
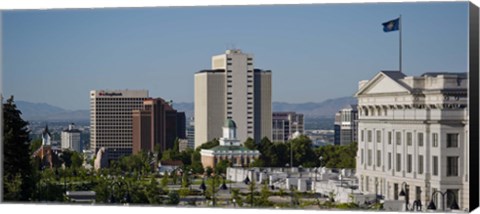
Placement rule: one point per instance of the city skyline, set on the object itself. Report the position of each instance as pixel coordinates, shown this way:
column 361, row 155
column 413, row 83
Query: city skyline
column 71, row 52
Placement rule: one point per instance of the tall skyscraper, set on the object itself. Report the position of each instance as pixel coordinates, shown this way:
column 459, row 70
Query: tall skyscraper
column 233, row 89
column 111, row 120
column 285, row 124
column 346, row 122
column 413, row 131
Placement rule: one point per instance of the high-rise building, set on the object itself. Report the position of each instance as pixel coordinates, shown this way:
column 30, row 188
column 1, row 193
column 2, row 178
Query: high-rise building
column 71, row 139
column 336, row 128
column 413, row 133
column 156, row 124
column 111, row 120
column 190, row 133
column 346, row 121
column 285, row 124
column 233, row 89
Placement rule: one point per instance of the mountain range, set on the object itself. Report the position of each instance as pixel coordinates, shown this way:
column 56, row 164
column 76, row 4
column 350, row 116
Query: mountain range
column 46, row 112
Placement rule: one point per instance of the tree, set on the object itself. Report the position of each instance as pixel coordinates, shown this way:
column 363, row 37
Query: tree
column 250, row 144
column 16, row 153
column 303, row 153
column 236, row 196
column 221, row 167
column 264, row 195
column 335, row 156
column 153, row 192
column 208, row 171
column 208, row 145
column 173, row 198
column 67, row 158
column 77, row 160
column 165, row 180
column 35, row 144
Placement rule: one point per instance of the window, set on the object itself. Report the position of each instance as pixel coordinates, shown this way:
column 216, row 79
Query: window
column 420, row 139
column 361, row 155
column 409, row 138
column 452, row 166
column 435, row 165
column 435, row 139
column 450, row 197
column 379, row 158
column 379, row 136
column 398, row 138
column 420, row 164
column 389, row 161
column 452, row 140
column 366, row 184
column 389, row 138
column 409, row 163
column 395, row 191
column 369, row 136
column 399, row 162
column 369, row 157
column 361, row 136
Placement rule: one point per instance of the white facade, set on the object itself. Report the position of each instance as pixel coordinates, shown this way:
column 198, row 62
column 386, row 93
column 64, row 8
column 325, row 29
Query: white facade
column 111, row 119
column 230, row 149
column 413, row 130
column 71, row 139
column 233, row 89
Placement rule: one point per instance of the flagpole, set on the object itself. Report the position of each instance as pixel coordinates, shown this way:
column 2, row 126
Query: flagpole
column 400, row 43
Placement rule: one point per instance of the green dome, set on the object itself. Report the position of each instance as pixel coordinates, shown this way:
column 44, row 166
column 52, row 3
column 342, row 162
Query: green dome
column 230, row 124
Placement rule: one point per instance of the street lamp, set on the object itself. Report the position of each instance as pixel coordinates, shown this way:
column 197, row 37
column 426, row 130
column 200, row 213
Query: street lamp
column 405, row 192
column 321, row 160
column 247, row 181
column 453, row 206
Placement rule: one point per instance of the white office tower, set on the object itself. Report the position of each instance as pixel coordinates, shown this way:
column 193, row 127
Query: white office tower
column 413, row 132
column 71, row 139
column 233, row 89
column 111, row 120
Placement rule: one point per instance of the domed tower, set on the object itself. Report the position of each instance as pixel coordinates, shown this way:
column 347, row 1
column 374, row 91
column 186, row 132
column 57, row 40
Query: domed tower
column 229, row 134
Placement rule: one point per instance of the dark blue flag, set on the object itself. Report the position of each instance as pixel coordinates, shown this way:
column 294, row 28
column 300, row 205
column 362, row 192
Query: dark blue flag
column 391, row 25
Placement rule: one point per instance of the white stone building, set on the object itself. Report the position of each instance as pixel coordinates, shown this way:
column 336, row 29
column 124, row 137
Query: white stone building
column 230, row 149
column 414, row 131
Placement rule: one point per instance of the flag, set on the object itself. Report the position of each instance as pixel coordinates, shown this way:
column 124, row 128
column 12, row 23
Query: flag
column 391, row 25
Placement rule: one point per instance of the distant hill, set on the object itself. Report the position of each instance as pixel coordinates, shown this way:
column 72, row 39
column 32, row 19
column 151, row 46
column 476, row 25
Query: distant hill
column 46, row 112
column 325, row 109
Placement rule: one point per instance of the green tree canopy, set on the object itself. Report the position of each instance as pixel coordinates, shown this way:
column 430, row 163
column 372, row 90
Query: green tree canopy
column 16, row 154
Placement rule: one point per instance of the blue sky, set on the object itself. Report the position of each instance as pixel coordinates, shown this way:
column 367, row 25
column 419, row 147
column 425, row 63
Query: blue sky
column 315, row 52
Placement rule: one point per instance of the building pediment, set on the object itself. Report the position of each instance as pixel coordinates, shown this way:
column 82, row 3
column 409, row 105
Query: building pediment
column 384, row 82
